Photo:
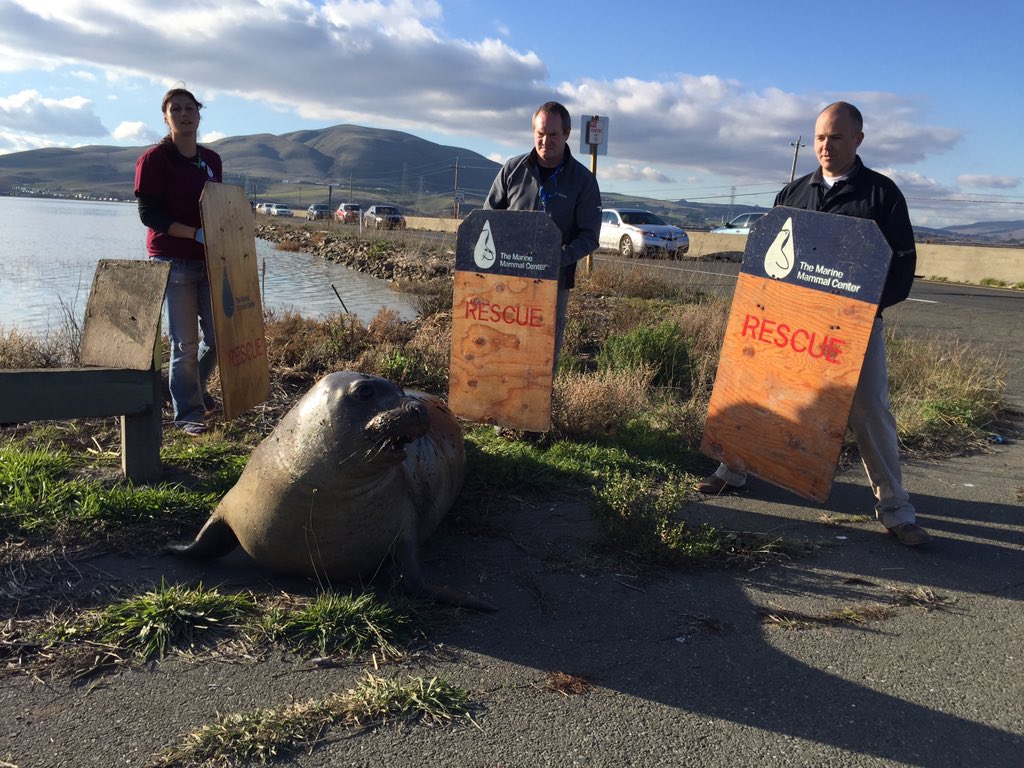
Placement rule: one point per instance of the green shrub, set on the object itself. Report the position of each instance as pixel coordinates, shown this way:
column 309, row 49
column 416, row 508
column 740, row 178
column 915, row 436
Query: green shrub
column 663, row 349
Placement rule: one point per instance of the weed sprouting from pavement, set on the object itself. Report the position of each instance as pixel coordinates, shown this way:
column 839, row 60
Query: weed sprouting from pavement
column 849, row 617
column 352, row 624
column 640, row 515
column 268, row 734
column 919, row 597
column 568, row 685
column 168, row 618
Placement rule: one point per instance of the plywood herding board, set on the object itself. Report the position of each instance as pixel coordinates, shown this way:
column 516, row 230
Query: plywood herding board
column 503, row 342
column 122, row 316
column 788, row 371
column 230, row 234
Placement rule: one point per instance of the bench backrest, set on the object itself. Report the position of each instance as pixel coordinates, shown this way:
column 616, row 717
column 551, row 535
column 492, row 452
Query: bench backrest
column 122, row 316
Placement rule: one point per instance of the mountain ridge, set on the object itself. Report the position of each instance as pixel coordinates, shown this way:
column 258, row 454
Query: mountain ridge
column 367, row 164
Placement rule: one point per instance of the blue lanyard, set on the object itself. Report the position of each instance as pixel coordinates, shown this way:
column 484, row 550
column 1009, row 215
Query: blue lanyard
column 544, row 194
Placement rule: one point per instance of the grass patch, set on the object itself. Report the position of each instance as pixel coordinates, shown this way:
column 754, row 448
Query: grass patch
column 180, row 619
column 845, row 617
column 39, row 493
column 170, row 618
column 352, row 624
column 993, row 282
column 660, row 351
column 268, row 734
column 639, row 515
column 946, row 396
column 858, row 615
column 919, row 597
column 568, row 685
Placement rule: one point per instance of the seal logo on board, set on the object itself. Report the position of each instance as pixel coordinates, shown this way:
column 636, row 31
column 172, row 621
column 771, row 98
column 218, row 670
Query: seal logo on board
column 778, row 260
column 484, row 253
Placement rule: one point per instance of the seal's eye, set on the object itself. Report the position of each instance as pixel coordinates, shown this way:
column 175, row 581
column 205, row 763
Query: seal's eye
column 363, row 391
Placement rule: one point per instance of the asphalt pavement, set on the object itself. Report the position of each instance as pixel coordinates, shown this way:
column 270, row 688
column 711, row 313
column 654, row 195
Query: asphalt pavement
column 711, row 667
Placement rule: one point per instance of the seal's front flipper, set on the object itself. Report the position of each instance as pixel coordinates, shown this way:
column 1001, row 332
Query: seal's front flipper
column 413, row 583
column 214, row 540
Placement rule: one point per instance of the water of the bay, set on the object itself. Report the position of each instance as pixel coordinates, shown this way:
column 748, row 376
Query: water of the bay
column 49, row 250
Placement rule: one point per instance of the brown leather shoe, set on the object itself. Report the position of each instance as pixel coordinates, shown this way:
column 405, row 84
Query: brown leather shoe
column 910, row 534
column 713, row 485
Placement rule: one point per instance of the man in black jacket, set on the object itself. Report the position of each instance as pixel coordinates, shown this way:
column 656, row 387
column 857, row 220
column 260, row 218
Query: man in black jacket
column 550, row 179
column 844, row 186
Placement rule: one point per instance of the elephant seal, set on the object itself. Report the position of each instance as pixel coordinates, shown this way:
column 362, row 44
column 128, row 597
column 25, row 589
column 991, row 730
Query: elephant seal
column 357, row 473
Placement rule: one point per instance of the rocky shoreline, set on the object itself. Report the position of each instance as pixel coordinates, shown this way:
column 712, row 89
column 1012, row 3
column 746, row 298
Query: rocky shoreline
column 395, row 259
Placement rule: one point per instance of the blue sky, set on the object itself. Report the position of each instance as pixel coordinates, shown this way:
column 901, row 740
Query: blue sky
column 703, row 99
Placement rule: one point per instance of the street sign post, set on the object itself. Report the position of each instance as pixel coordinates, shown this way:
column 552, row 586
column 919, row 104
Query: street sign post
column 230, row 234
column 805, row 302
column 503, row 321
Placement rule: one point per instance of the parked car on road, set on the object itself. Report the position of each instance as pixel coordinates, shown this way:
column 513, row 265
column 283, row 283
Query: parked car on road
column 384, row 217
column 348, row 213
column 318, row 211
column 263, row 208
column 280, row 209
column 636, row 232
column 740, row 225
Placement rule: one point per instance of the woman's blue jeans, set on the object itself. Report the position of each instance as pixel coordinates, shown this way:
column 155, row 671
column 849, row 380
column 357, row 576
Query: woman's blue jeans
column 193, row 356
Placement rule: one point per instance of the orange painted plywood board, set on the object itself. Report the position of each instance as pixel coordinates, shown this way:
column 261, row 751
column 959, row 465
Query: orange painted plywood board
column 503, row 342
column 805, row 303
column 503, row 319
column 787, row 375
column 230, row 234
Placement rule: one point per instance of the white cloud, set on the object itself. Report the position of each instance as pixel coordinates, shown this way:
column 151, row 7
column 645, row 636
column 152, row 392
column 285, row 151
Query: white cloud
column 208, row 136
column 627, row 172
column 979, row 181
column 135, row 132
column 31, row 112
column 391, row 63
column 20, row 142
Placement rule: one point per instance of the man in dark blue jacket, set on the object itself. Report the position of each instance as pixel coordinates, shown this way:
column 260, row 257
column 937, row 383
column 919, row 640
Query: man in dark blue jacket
column 550, row 179
column 843, row 185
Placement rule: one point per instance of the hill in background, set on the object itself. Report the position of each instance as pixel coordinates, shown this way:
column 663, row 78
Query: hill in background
column 366, row 165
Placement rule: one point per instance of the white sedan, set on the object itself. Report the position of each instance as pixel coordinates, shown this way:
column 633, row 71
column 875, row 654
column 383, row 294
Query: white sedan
column 635, row 232
column 279, row 209
column 738, row 226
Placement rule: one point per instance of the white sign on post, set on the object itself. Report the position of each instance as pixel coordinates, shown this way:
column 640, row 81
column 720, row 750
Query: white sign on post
column 593, row 135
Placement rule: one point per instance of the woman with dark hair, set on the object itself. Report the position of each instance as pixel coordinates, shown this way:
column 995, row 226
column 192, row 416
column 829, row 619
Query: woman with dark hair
column 169, row 179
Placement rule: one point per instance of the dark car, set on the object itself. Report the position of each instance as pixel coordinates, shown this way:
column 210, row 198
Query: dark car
column 384, row 217
column 349, row 213
column 318, row 211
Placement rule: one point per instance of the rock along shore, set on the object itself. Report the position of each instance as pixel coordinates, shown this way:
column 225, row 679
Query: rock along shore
column 386, row 258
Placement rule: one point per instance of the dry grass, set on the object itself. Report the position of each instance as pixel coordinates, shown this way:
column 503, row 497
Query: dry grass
column 568, row 685
column 945, row 394
column 846, row 617
column 633, row 281
column 590, row 405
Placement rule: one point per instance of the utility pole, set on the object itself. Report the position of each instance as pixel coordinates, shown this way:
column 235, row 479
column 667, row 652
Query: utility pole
column 456, row 186
column 350, row 189
column 796, row 151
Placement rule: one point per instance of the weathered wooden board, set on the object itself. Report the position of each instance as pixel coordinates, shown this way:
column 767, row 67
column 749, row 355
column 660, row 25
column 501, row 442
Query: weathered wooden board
column 33, row 394
column 122, row 317
column 503, row 324
column 805, row 302
column 230, row 234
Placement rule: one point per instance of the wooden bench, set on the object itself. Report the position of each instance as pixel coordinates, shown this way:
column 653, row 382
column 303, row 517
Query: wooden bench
column 120, row 355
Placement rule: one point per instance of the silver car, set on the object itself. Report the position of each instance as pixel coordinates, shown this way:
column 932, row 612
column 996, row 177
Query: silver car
column 383, row 217
column 636, row 232
column 740, row 225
